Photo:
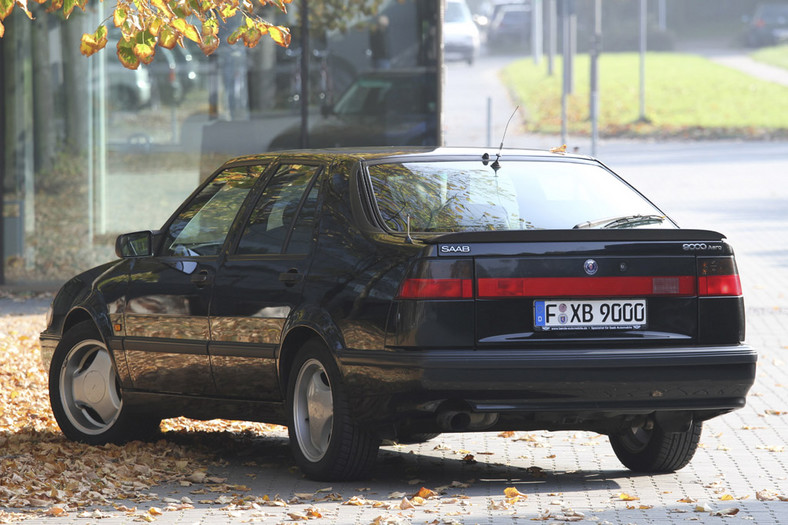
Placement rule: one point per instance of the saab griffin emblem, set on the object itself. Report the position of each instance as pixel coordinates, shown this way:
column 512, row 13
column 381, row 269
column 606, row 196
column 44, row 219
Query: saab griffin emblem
column 590, row 266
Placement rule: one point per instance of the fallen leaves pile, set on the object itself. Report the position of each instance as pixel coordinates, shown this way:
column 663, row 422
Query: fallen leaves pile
column 40, row 468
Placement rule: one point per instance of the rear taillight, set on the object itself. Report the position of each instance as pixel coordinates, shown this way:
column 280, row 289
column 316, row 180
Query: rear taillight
column 454, row 279
column 718, row 277
column 586, row 286
column 439, row 279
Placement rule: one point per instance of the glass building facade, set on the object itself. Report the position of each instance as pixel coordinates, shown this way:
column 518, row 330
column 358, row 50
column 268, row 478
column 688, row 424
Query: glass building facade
column 90, row 149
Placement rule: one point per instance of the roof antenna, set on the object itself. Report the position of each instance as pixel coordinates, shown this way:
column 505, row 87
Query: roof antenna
column 497, row 165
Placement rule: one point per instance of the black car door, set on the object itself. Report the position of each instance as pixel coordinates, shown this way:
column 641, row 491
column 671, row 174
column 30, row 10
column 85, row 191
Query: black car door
column 166, row 315
column 260, row 282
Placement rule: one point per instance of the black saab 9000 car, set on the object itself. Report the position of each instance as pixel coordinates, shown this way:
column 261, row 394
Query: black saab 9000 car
column 356, row 296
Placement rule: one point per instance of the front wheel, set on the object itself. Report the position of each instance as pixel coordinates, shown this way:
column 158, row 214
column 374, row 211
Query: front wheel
column 328, row 444
column 85, row 393
column 654, row 450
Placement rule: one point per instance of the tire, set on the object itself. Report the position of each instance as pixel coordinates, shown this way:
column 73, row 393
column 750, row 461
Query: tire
column 326, row 442
column 85, row 393
column 655, row 450
column 416, row 438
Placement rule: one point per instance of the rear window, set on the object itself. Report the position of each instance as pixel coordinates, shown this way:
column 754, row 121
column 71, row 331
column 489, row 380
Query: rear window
column 521, row 195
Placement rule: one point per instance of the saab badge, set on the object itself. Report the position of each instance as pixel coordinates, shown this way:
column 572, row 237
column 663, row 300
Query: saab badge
column 590, row 266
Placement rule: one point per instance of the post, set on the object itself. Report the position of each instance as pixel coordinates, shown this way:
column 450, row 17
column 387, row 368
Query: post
column 596, row 49
column 643, row 31
column 537, row 31
column 304, row 74
column 567, row 66
column 572, row 44
column 552, row 38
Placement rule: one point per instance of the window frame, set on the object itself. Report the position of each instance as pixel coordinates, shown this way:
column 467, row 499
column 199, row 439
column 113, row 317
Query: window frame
column 242, row 221
column 160, row 235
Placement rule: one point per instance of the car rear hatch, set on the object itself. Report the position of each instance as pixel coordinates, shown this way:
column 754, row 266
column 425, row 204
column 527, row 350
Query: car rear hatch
column 535, row 289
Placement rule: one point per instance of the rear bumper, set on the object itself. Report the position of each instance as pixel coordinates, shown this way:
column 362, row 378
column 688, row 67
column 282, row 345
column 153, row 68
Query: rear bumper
column 548, row 385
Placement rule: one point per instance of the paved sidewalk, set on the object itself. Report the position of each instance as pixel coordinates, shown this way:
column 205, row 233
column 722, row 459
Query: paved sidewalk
column 752, row 67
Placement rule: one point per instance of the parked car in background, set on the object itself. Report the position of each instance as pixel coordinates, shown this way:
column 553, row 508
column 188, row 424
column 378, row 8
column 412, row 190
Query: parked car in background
column 460, row 34
column 398, row 293
column 768, row 25
column 387, row 106
column 510, row 29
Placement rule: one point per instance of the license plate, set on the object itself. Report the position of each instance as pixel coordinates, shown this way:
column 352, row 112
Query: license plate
column 590, row 315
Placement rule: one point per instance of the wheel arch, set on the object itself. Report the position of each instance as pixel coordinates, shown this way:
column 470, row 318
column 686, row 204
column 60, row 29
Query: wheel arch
column 314, row 324
column 81, row 314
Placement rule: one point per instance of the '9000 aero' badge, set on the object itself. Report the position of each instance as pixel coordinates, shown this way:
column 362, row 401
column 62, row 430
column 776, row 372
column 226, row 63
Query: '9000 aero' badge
column 590, row 266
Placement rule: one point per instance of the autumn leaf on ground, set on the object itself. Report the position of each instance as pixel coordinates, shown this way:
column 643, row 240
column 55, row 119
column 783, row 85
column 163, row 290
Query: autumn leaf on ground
column 426, row 493
column 356, row 501
column 513, row 495
column 623, row 496
column 506, row 434
column 769, row 495
column 703, row 506
column 405, row 504
column 494, row 505
column 771, row 448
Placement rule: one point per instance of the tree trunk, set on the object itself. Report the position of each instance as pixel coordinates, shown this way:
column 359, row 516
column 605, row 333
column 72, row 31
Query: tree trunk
column 43, row 95
column 75, row 85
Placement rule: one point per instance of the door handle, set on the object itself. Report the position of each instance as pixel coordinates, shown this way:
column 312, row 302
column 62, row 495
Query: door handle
column 201, row 278
column 290, row 277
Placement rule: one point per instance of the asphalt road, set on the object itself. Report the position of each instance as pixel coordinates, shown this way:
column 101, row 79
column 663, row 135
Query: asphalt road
column 737, row 188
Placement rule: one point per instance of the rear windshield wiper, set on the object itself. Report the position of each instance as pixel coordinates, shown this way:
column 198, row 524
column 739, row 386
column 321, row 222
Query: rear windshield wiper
column 627, row 221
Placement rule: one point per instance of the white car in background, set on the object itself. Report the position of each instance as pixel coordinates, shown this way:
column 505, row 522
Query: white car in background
column 460, row 35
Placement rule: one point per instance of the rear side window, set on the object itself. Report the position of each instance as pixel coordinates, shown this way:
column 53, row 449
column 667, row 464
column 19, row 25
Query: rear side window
column 521, row 195
column 275, row 212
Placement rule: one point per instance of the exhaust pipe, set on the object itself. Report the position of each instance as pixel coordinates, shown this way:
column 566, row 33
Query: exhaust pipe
column 454, row 420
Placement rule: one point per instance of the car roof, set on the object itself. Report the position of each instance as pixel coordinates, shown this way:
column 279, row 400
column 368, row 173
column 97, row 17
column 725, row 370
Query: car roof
column 386, row 154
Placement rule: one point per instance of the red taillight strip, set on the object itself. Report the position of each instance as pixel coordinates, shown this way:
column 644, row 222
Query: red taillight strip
column 719, row 285
column 436, row 289
column 683, row 285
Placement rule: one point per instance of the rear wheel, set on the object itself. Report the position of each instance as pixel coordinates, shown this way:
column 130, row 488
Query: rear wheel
column 326, row 441
column 85, row 393
column 654, row 450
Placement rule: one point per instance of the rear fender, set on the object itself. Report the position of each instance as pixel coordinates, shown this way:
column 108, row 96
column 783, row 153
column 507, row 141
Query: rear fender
column 302, row 325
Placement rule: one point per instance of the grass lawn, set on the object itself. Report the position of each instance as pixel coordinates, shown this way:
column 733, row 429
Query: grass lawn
column 686, row 96
column 775, row 55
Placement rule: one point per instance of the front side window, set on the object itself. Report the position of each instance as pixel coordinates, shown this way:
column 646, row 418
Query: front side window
column 522, row 195
column 276, row 209
column 201, row 227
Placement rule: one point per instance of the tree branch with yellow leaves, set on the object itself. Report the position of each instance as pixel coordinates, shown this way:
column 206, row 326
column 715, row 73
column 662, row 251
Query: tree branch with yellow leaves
column 147, row 24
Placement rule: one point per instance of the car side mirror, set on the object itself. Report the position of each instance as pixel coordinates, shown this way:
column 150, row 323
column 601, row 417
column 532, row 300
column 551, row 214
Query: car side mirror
column 137, row 244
